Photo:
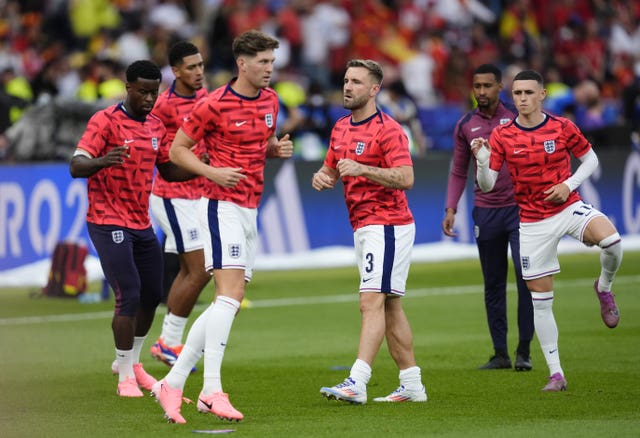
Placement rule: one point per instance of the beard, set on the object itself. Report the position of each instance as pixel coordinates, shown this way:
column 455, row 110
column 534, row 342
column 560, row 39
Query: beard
column 355, row 103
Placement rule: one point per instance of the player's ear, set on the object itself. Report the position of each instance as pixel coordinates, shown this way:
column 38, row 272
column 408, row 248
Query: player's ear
column 375, row 89
column 242, row 63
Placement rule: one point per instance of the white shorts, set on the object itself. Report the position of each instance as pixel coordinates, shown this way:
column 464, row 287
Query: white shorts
column 179, row 221
column 383, row 254
column 230, row 235
column 539, row 240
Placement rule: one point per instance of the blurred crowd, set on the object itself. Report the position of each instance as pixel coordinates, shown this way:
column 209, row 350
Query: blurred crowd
column 60, row 60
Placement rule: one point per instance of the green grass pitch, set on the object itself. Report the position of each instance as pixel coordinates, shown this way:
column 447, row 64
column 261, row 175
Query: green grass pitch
column 55, row 378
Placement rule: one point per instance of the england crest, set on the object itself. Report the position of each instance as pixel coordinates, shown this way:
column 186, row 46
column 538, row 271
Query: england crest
column 154, row 143
column 504, row 121
column 550, row 146
column 117, row 236
column 360, row 147
column 234, row 250
column 193, row 234
column 524, row 261
column 268, row 119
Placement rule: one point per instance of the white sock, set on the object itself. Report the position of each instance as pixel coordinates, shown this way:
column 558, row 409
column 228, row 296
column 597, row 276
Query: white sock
column 546, row 329
column 125, row 364
column 610, row 259
column 191, row 352
column 172, row 329
column 411, row 378
column 138, row 342
column 360, row 373
column 219, row 322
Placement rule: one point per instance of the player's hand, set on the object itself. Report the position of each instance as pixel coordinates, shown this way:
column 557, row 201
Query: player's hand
column 284, row 147
column 226, row 176
column 481, row 149
column 321, row 181
column 115, row 156
column 347, row 167
column 447, row 223
column 557, row 194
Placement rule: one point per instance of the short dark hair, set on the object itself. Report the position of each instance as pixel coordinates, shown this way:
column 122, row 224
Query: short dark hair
column 374, row 68
column 181, row 50
column 143, row 69
column 251, row 42
column 489, row 68
column 529, row 75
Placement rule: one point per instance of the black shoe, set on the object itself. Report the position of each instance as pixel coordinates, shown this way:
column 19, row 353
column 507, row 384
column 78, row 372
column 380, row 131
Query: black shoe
column 496, row 363
column 523, row 363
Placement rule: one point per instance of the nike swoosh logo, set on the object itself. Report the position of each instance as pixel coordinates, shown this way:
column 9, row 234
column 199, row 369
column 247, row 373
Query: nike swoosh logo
column 128, row 141
column 475, row 129
column 241, row 123
column 208, row 405
column 364, row 280
column 553, row 351
column 517, row 151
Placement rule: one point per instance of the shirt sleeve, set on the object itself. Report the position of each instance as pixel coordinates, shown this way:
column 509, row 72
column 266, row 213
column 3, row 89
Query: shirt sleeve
column 459, row 168
column 94, row 138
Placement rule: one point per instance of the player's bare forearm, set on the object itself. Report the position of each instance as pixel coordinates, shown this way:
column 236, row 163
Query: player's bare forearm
column 400, row 177
column 182, row 155
column 174, row 173
column 394, row 178
column 83, row 166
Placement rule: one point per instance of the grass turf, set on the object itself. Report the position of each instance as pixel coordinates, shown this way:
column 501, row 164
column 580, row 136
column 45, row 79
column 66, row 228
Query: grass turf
column 302, row 328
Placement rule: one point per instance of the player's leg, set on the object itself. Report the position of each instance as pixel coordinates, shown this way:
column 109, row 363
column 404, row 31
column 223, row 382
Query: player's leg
column 186, row 290
column 147, row 254
column 397, row 329
column 400, row 344
column 183, row 296
column 232, row 230
column 539, row 262
column 115, row 251
column 525, row 304
column 168, row 391
column 369, row 246
column 492, row 241
column 600, row 231
column 372, row 328
column 184, row 237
